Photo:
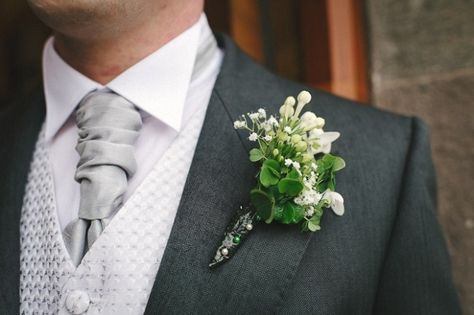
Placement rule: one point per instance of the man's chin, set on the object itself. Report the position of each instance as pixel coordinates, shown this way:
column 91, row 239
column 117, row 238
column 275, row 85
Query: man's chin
column 67, row 16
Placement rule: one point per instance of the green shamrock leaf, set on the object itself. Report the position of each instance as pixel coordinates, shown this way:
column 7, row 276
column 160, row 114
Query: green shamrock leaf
column 270, row 173
column 264, row 203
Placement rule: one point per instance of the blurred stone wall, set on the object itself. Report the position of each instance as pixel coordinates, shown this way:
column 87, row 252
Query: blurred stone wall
column 422, row 63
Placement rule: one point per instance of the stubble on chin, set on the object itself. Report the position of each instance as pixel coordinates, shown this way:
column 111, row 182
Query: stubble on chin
column 74, row 17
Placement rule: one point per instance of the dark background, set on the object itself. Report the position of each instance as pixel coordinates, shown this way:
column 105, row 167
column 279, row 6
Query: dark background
column 415, row 57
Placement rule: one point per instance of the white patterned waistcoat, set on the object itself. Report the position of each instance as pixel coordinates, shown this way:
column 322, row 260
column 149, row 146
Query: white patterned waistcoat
column 117, row 273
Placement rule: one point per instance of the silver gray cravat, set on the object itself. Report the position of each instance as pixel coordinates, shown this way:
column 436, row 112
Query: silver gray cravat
column 108, row 127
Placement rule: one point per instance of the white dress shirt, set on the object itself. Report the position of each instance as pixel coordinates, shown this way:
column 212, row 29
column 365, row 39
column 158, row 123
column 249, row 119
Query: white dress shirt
column 162, row 86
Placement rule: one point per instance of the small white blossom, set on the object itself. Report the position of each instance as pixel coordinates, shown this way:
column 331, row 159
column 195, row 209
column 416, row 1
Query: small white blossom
column 288, row 162
column 314, row 166
column 253, row 116
column 272, row 121
column 267, row 138
column 239, row 124
column 253, row 136
column 266, row 126
column 296, row 165
column 262, row 113
column 287, row 129
column 310, row 211
column 310, row 181
column 308, row 197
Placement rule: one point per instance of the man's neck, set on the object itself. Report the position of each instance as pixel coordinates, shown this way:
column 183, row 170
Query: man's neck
column 103, row 59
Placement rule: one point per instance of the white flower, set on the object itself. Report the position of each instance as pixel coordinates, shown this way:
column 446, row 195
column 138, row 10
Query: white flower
column 296, row 165
column 308, row 197
column 253, row 136
column 267, row 138
column 239, row 124
column 314, row 166
column 288, row 162
column 310, row 211
column 310, row 181
column 336, row 202
column 323, row 142
column 272, row 121
column 326, row 139
column 287, row 129
column 266, row 126
column 262, row 113
column 253, row 116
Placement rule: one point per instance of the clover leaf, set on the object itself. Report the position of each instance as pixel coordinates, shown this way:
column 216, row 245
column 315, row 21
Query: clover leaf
column 255, row 155
column 292, row 187
column 270, row 173
column 264, row 203
column 291, row 213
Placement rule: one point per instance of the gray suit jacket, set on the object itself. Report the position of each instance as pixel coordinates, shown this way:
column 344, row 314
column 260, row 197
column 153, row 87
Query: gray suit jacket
column 386, row 255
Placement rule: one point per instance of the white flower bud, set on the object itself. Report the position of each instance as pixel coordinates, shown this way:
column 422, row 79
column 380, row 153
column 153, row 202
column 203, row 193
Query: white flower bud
column 320, row 122
column 303, row 98
column 308, row 121
column 290, row 101
column 295, row 139
column 286, row 111
column 301, row 146
column 315, row 133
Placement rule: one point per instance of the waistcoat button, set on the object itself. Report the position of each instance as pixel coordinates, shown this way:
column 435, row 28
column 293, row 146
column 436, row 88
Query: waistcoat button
column 77, row 302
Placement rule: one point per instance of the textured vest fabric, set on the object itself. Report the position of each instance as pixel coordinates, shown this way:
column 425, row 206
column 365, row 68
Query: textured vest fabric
column 119, row 270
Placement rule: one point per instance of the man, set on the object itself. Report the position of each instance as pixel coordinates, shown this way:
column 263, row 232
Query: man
column 133, row 169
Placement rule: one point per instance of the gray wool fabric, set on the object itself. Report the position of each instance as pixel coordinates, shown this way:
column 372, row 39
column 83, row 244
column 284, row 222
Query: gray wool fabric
column 108, row 127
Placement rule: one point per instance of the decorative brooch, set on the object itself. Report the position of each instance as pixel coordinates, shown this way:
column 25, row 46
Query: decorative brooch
column 296, row 179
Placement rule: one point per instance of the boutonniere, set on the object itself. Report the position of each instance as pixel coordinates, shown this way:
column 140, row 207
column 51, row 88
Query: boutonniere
column 296, row 180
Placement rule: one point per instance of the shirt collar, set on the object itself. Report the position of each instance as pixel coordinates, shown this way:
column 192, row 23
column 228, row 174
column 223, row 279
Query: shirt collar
column 157, row 84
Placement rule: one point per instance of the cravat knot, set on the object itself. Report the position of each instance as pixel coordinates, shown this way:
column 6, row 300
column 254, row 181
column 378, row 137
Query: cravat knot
column 108, row 127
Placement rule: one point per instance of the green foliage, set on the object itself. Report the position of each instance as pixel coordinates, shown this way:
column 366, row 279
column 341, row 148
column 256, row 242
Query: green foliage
column 312, row 226
column 291, row 213
column 264, row 203
column 328, row 165
column 255, row 155
column 292, row 187
column 270, row 173
column 287, row 167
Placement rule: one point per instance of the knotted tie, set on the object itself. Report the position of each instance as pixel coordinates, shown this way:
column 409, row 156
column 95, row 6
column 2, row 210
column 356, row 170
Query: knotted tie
column 108, row 127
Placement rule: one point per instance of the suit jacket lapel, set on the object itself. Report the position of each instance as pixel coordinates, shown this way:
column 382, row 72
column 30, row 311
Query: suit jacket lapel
column 19, row 127
column 218, row 182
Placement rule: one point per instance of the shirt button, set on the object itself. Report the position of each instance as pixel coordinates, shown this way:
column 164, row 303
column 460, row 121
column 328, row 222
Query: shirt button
column 77, row 302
